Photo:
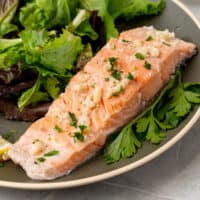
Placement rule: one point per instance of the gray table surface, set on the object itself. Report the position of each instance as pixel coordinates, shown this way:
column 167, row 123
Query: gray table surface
column 175, row 175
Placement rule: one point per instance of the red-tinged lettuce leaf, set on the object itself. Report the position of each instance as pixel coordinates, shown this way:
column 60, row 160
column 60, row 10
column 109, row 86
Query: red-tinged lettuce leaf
column 30, row 113
column 84, row 57
column 102, row 8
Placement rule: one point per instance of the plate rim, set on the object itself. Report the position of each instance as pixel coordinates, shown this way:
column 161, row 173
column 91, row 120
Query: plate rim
column 121, row 170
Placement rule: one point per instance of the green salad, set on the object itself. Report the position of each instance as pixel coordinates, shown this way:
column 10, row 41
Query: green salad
column 43, row 43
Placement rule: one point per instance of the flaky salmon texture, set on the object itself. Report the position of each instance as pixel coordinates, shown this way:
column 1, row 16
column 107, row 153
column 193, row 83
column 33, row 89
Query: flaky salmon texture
column 114, row 87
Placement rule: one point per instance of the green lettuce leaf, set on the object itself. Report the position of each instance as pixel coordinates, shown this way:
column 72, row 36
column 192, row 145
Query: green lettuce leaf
column 81, row 25
column 34, row 38
column 13, row 55
column 51, row 84
column 60, row 54
column 46, row 14
column 32, row 96
column 128, row 9
column 7, row 12
column 7, row 43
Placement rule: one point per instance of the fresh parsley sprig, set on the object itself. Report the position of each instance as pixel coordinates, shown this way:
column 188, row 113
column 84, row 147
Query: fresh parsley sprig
column 169, row 109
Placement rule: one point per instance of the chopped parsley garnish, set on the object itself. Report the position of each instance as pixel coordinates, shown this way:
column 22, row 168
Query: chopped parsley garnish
column 139, row 56
column 130, row 76
column 58, row 129
column 82, row 128
column 79, row 136
column 51, row 153
column 147, row 65
column 173, row 104
column 116, row 74
column 41, row 159
column 166, row 44
column 121, row 89
column 74, row 121
column 112, row 61
column 149, row 38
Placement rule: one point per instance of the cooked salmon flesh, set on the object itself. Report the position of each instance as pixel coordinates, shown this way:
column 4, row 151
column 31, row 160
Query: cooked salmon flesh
column 114, row 87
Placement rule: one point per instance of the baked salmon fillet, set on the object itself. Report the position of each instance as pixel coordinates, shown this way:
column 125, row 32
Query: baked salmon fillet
column 114, row 87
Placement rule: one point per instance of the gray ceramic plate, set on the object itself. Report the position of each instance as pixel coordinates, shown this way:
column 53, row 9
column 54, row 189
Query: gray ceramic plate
column 176, row 18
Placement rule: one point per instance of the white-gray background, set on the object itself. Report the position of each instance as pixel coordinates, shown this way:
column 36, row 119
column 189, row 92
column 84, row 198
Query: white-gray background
column 175, row 175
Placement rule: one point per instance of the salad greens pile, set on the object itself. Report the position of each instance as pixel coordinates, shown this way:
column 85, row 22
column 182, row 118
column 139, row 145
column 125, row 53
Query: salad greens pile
column 54, row 38
column 173, row 104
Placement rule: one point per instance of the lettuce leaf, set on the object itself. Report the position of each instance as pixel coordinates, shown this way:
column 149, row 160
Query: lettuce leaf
column 51, row 84
column 7, row 43
column 46, row 14
column 128, row 9
column 7, row 12
column 60, row 54
column 81, row 25
column 102, row 8
column 34, row 38
column 11, row 56
column 57, row 55
column 32, row 96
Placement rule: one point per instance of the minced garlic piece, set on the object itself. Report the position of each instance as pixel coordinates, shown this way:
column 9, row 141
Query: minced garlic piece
column 37, row 147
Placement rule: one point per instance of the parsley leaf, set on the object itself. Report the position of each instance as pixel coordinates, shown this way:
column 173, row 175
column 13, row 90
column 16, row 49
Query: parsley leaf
column 152, row 127
column 179, row 103
column 192, row 97
column 182, row 98
column 124, row 146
